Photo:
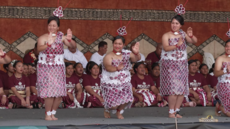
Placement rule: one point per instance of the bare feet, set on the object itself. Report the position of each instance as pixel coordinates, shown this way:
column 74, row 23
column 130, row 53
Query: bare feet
column 53, row 117
column 217, row 110
column 10, row 105
column 172, row 115
column 178, row 116
column 49, row 118
column 30, row 107
column 119, row 116
column 89, row 105
column 106, row 114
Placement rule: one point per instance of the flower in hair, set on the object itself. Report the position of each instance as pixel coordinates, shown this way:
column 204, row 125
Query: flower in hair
column 180, row 9
column 122, row 31
column 228, row 33
column 13, row 62
column 58, row 12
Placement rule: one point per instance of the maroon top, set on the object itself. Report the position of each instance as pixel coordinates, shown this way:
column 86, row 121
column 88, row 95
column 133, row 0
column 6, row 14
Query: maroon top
column 19, row 84
column 80, row 78
column 28, row 58
column 33, row 79
column 4, row 79
column 156, row 80
column 153, row 57
column 197, row 80
column 1, row 85
column 72, row 81
column 213, row 80
column 90, row 81
column 145, row 83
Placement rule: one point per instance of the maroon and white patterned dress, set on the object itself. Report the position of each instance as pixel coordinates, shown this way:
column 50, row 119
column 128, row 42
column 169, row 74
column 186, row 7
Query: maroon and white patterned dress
column 51, row 70
column 223, row 88
column 116, row 87
column 174, row 69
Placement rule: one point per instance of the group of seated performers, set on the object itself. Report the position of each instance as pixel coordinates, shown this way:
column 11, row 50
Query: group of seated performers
column 18, row 86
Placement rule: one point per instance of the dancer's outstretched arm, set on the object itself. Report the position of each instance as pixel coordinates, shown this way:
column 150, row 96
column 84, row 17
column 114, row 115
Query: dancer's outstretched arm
column 68, row 39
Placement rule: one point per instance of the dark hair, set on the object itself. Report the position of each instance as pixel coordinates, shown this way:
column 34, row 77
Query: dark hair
column 154, row 65
column 68, row 64
column 15, row 63
column 202, row 65
column 102, row 44
column 51, row 18
column 227, row 42
column 179, row 18
column 191, row 61
column 35, row 45
column 30, row 64
column 136, row 65
column 196, row 60
column 211, row 70
column 75, row 65
column 89, row 66
column 5, row 66
column 119, row 37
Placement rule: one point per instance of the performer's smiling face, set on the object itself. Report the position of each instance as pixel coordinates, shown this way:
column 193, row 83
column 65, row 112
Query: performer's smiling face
column 69, row 70
column 193, row 68
column 53, row 27
column 95, row 70
column 19, row 68
column 141, row 69
column 175, row 25
column 156, row 71
column 227, row 48
column 118, row 45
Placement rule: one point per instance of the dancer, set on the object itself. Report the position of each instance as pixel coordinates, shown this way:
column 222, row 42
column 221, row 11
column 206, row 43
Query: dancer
column 222, row 71
column 51, row 79
column 173, row 64
column 115, row 81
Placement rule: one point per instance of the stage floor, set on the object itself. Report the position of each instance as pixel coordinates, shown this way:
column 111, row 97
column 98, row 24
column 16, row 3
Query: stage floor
column 94, row 116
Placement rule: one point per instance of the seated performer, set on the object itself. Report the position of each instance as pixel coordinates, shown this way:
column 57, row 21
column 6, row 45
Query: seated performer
column 31, row 68
column 144, row 90
column 199, row 91
column 211, row 80
column 9, row 72
column 34, row 91
column 73, row 87
column 97, row 57
column 25, row 70
column 20, row 88
column 3, row 98
column 92, row 86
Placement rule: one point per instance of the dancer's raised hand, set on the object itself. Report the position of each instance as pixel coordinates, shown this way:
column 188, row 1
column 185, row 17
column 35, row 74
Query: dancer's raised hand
column 135, row 48
column 69, row 34
column 190, row 32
